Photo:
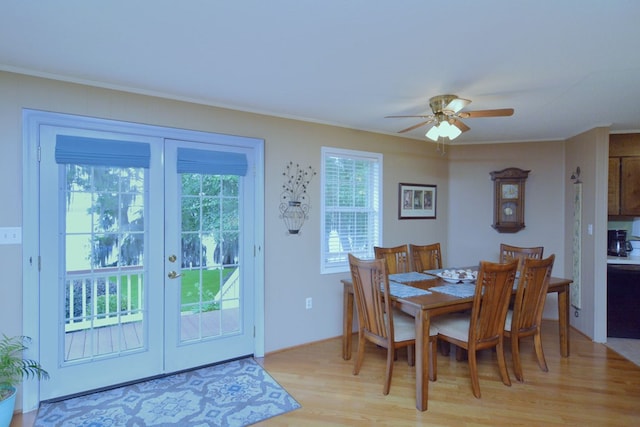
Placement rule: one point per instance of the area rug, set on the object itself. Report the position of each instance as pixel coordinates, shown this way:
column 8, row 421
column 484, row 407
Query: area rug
column 237, row 393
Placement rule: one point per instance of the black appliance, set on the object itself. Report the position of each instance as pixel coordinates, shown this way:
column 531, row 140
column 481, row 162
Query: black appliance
column 617, row 244
column 623, row 299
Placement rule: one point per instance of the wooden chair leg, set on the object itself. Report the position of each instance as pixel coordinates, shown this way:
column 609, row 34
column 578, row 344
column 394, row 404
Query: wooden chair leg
column 502, row 363
column 360, row 356
column 537, row 340
column 461, row 354
column 389, row 371
column 445, row 347
column 473, row 372
column 515, row 355
column 411, row 358
column 433, row 359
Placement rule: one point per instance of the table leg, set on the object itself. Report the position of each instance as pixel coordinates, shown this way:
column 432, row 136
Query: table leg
column 423, row 321
column 563, row 321
column 347, row 323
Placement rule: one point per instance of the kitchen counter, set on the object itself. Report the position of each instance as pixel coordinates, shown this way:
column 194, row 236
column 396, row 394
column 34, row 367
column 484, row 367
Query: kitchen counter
column 624, row 260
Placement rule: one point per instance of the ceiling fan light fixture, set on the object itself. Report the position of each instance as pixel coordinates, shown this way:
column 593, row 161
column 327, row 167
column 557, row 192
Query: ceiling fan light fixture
column 452, row 131
column 433, row 133
column 447, row 117
column 443, row 130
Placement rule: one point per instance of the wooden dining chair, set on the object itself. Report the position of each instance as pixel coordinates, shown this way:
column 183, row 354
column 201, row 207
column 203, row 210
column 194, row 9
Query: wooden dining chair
column 508, row 252
column 483, row 327
column 398, row 260
column 526, row 317
column 426, row 257
column 398, row 330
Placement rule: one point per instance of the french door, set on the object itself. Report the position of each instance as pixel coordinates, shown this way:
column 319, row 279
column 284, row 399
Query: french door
column 147, row 253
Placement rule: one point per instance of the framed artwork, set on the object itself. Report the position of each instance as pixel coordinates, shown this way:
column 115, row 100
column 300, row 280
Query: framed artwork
column 416, row 201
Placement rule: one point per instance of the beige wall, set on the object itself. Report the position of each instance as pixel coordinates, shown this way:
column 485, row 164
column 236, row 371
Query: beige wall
column 292, row 270
column 590, row 151
column 471, row 237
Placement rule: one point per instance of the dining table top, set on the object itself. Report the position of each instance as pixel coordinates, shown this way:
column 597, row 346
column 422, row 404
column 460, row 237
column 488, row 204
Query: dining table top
column 437, row 291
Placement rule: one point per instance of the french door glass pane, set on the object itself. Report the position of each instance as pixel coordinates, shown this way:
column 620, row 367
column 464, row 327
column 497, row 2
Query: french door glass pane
column 104, row 229
column 210, row 282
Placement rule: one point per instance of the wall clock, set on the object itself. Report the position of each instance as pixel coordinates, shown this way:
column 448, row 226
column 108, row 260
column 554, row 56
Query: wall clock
column 508, row 196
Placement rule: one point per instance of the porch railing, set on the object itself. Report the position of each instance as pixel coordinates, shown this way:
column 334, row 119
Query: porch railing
column 89, row 297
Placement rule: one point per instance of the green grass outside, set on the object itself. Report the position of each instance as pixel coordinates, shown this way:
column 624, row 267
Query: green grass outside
column 189, row 286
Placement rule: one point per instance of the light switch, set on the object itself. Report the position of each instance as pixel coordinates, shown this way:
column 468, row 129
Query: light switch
column 590, row 229
column 10, row 235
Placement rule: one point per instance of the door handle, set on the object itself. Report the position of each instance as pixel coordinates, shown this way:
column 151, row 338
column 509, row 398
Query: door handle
column 173, row 275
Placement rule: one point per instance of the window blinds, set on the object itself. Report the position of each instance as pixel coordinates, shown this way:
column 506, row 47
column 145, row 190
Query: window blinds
column 192, row 160
column 101, row 152
column 351, row 207
column 106, row 152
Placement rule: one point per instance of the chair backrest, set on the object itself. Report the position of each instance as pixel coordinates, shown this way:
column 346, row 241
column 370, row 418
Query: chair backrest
column 370, row 283
column 426, row 257
column 398, row 260
column 494, row 287
column 508, row 252
column 531, row 294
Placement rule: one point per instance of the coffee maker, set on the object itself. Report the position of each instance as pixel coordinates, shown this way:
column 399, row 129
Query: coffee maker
column 617, row 243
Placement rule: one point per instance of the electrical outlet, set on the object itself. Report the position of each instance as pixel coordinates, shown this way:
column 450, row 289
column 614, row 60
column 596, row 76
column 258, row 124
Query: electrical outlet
column 309, row 303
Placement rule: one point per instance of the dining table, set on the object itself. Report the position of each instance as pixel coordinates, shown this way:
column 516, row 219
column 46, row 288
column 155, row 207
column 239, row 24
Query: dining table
column 426, row 295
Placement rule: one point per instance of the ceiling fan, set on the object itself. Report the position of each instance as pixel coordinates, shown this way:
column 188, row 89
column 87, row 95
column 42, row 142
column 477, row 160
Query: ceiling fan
column 447, row 117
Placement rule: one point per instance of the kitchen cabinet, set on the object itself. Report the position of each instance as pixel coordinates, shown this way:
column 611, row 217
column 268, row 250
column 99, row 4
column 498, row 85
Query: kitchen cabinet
column 623, row 297
column 624, row 175
column 630, row 186
column 614, row 186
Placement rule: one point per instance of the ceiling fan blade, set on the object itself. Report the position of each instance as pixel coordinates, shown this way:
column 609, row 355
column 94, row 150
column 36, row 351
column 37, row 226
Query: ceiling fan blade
column 459, row 124
column 424, row 116
column 457, row 105
column 501, row 112
column 416, row 126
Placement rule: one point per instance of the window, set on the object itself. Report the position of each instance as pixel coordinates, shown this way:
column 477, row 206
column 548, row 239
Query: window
column 351, row 201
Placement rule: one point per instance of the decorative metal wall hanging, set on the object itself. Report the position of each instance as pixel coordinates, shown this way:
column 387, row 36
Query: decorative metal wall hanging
column 576, row 285
column 294, row 201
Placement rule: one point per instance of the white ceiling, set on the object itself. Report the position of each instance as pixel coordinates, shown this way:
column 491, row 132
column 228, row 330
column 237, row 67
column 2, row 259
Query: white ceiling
column 564, row 66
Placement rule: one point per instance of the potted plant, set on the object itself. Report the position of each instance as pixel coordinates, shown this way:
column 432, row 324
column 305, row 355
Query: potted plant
column 13, row 369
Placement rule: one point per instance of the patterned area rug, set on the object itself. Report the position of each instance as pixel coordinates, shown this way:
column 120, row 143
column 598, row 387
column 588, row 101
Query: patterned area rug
column 237, row 393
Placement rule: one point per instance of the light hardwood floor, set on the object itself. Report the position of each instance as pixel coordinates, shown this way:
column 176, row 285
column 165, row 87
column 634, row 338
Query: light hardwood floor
column 595, row 386
column 626, row 347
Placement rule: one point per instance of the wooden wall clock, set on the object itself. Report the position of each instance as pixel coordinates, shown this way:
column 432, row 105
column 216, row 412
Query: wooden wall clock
column 508, row 196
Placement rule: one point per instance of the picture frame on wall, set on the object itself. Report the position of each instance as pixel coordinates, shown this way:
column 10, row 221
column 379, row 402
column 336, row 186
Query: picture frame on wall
column 416, row 201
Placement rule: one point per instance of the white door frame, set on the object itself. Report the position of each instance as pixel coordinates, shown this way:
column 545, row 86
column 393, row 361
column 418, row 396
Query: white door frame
column 31, row 120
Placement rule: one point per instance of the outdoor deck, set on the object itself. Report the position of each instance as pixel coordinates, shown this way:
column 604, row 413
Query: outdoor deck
column 105, row 340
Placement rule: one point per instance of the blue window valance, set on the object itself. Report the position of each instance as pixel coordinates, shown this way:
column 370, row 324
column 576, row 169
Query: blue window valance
column 192, row 160
column 80, row 150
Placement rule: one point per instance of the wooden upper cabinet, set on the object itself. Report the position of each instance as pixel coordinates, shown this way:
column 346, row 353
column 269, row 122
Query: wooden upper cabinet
column 624, row 144
column 624, row 174
column 630, row 186
column 614, row 186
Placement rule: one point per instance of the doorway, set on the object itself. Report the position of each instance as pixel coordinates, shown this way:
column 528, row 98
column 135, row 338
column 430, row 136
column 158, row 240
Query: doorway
column 147, row 254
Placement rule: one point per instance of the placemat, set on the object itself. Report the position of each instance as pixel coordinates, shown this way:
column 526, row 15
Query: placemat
column 412, row 276
column 404, row 291
column 462, row 290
